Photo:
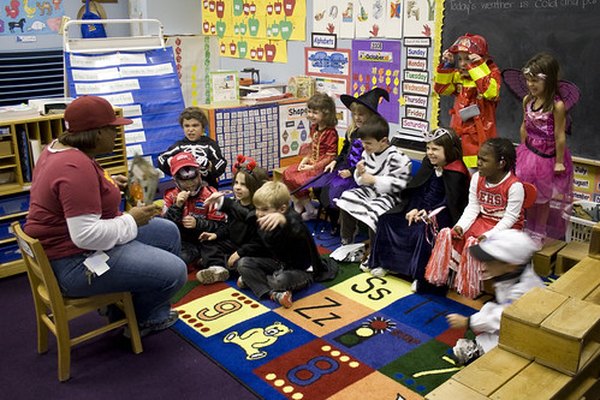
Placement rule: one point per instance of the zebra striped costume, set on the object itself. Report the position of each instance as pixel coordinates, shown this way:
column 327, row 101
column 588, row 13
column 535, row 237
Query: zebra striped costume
column 391, row 169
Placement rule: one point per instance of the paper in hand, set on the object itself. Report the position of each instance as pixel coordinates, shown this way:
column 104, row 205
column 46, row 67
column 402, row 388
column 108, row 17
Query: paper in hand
column 143, row 182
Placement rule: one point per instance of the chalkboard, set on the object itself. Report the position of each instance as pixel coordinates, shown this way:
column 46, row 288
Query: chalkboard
column 518, row 29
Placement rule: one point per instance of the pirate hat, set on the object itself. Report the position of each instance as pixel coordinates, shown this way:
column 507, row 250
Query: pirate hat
column 368, row 99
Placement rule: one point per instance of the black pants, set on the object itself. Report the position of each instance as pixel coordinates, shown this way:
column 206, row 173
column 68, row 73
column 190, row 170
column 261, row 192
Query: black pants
column 216, row 253
column 263, row 275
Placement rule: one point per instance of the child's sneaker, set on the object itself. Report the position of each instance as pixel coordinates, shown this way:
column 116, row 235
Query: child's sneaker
column 364, row 266
column 212, row 275
column 466, row 351
column 309, row 215
column 240, row 283
column 379, row 272
column 283, row 298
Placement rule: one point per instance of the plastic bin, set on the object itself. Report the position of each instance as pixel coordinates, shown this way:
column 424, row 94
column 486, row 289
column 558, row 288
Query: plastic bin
column 579, row 229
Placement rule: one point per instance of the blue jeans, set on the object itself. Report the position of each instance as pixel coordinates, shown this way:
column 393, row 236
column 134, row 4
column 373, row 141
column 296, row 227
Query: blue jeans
column 149, row 267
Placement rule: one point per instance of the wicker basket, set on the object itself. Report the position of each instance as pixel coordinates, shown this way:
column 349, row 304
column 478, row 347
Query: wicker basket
column 579, row 229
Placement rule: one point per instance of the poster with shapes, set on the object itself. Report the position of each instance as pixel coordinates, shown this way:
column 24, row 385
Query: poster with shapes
column 30, row 18
column 419, row 18
column 294, row 128
column 324, row 62
column 260, row 138
column 370, row 18
column 253, row 49
column 376, row 63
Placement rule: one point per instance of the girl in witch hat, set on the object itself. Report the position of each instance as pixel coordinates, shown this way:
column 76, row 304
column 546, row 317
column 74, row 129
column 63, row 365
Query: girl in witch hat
column 338, row 174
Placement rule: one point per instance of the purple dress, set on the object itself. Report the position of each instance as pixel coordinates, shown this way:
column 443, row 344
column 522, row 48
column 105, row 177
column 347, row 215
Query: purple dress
column 331, row 183
column 535, row 164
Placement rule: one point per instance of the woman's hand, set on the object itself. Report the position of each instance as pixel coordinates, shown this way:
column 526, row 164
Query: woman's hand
column 143, row 214
column 329, row 167
column 188, row 222
column 121, row 181
column 457, row 321
column 207, row 236
column 345, row 173
column 182, row 198
column 559, row 168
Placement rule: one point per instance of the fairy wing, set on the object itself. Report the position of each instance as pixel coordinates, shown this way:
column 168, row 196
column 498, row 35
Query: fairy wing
column 569, row 93
column 514, row 79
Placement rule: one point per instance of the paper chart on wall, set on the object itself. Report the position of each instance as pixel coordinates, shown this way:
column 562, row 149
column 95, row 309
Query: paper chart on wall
column 253, row 49
column 370, row 18
column 294, row 128
column 326, row 16
column 419, row 17
column 376, row 63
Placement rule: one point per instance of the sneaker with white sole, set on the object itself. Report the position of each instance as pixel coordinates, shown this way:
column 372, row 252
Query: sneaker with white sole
column 283, row 298
column 212, row 274
column 240, row 283
column 364, row 266
column 379, row 272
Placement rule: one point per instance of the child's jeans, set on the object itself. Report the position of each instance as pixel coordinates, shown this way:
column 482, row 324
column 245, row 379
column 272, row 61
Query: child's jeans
column 264, row 274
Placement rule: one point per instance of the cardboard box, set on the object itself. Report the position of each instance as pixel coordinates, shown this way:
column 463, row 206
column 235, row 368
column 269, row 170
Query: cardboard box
column 545, row 259
column 557, row 331
column 570, row 255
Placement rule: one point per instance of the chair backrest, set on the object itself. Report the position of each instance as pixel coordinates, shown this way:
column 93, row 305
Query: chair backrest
column 44, row 285
column 530, row 194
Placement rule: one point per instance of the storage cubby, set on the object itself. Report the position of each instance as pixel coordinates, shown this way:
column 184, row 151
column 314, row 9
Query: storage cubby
column 18, row 140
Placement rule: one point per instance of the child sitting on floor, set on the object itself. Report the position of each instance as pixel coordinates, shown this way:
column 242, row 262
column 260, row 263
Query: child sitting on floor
column 184, row 205
column 237, row 238
column 294, row 261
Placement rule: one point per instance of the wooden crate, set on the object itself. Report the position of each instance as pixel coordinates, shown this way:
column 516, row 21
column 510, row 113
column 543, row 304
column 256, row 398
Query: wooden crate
column 452, row 389
column 545, row 259
column 570, row 255
column 580, row 281
column 534, row 382
column 557, row 331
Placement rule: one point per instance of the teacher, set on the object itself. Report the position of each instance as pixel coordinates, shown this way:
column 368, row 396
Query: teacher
column 74, row 212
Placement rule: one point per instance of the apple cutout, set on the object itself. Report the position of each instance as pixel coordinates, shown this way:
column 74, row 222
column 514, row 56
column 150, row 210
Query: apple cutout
column 252, row 53
column 246, row 9
column 277, row 7
column 213, row 30
column 286, row 29
column 211, row 6
column 253, row 26
column 238, row 7
column 205, row 4
column 242, row 49
column 269, row 31
column 270, row 51
column 260, row 53
column 220, row 8
column 205, row 27
column 221, row 26
column 288, row 7
column 243, row 28
column 236, row 29
column 252, row 8
column 269, row 9
column 275, row 29
column 232, row 48
column 223, row 48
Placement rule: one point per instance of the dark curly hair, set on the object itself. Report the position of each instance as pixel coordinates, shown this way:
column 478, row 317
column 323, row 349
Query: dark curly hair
column 194, row 113
column 503, row 150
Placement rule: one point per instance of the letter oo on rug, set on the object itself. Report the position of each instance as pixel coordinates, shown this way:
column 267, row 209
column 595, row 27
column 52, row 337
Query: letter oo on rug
column 256, row 338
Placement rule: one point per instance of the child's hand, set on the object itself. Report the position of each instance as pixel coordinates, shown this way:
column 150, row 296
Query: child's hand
column 233, row 259
column 559, row 168
column 474, row 58
column 457, row 232
column 367, row 179
column 329, row 167
column 481, row 238
column 345, row 173
column 121, row 181
column 447, row 57
column 207, row 236
column 213, row 199
column 416, row 215
column 360, row 167
column 143, row 214
column 271, row 221
column 182, row 198
column 457, row 321
column 188, row 222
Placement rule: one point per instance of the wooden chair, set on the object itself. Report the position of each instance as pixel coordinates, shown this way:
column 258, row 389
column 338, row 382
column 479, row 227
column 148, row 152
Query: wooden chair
column 53, row 311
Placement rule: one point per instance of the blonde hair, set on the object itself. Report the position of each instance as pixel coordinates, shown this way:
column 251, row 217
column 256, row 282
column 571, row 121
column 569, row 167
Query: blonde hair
column 272, row 194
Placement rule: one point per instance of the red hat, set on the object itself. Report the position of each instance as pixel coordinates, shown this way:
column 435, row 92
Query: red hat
column 90, row 112
column 182, row 159
column 472, row 44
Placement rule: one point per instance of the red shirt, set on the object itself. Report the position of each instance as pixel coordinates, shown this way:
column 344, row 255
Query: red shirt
column 67, row 184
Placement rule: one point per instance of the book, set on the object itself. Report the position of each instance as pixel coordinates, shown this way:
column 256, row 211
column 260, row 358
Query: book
column 143, row 182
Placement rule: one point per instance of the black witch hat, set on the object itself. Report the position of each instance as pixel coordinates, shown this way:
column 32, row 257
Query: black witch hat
column 369, row 99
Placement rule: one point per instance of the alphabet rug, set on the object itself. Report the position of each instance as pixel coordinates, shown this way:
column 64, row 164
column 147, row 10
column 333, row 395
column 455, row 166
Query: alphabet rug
column 355, row 337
